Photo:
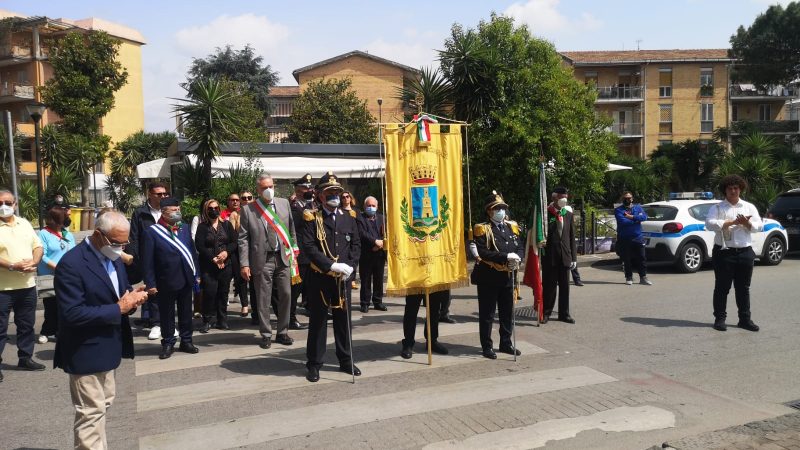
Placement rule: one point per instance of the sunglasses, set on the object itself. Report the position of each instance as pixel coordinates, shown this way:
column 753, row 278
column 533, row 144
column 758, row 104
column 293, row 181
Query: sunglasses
column 233, row 199
column 345, row 196
column 7, row 203
column 160, row 194
column 247, row 197
column 627, row 198
column 216, row 208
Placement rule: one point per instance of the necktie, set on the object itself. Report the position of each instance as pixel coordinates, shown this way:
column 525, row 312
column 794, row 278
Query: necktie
column 112, row 274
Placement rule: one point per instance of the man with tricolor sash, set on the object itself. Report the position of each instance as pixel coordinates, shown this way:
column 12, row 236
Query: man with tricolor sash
column 268, row 253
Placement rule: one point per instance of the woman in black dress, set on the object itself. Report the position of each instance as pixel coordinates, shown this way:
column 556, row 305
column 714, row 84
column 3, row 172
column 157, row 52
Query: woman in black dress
column 216, row 244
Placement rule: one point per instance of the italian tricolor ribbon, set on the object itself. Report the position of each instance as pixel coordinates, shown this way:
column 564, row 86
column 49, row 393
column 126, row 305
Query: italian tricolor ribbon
column 290, row 249
column 423, row 128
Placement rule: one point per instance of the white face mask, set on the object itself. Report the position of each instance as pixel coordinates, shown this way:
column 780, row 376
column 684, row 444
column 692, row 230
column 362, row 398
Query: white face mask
column 333, row 201
column 499, row 215
column 562, row 202
column 112, row 253
column 6, row 211
column 268, row 193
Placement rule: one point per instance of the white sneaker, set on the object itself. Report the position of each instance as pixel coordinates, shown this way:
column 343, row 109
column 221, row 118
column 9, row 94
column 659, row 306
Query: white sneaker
column 42, row 339
column 645, row 281
column 629, row 281
column 155, row 333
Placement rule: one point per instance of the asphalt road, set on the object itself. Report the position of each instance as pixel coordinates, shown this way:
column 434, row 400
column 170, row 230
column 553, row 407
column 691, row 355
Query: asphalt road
column 642, row 365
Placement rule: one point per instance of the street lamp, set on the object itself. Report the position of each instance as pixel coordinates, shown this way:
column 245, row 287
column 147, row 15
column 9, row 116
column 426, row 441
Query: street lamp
column 36, row 111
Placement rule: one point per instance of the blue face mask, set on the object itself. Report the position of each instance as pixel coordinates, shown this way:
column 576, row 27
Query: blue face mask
column 371, row 210
column 499, row 215
column 333, row 201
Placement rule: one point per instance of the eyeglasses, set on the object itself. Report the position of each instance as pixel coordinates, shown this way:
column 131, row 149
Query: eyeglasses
column 247, row 197
column 233, row 199
column 345, row 196
column 7, row 203
column 113, row 244
column 216, row 208
column 160, row 194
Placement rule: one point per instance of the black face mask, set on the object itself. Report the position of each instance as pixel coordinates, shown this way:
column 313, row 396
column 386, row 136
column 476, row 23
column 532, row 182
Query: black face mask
column 213, row 214
column 627, row 202
column 308, row 195
column 67, row 222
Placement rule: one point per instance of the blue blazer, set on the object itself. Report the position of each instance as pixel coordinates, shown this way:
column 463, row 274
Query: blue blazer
column 163, row 265
column 92, row 334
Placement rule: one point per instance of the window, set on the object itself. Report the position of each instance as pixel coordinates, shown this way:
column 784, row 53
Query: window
column 665, row 82
column 665, row 119
column 734, row 113
column 700, row 212
column 764, row 112
column 664, row 142
column 659, row 212
column 590, row 77
column 706, row 118
column 706, row 82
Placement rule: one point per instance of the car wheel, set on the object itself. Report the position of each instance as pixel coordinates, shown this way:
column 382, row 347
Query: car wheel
column 690, row 258
column 774, row 251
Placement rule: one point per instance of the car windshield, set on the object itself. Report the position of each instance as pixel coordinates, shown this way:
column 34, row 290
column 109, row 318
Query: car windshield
column 785, row 204
column 700, row 212
column 660, row 212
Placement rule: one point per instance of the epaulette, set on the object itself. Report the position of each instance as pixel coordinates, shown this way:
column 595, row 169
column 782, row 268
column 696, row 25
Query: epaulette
column 353, row 213
column 514, row 226
column 479, row 229
column 308, row 215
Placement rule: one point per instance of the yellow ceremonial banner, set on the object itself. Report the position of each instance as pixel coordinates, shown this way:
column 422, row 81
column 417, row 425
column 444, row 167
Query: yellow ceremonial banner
column 424, row 212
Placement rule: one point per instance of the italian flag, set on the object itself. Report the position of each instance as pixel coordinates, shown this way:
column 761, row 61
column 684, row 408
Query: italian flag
column 537, row 235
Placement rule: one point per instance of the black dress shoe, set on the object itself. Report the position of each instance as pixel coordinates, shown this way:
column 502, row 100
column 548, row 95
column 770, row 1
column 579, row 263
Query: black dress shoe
column 222, row 326
column 489, row 353
column 510, row 350
column 567, row 319
column 748, row 325
column 380, row 307
column 296, row 325
column 346, row 369
column 364, row 308
column 312, row 375
column 284, row 339
column 29, row 364
column 254, row 321
column 578, row 283
column 205, row 327
column 1, row 376
column 545, row 319
column 406, row 352
column 719, row 325
column 188, row 347
column 447, row 319
column 438, row 348
column 265, row 343
column 166, row 351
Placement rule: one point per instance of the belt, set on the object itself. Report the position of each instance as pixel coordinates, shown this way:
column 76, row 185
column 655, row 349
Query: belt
column 273, row 253
column 731, row 249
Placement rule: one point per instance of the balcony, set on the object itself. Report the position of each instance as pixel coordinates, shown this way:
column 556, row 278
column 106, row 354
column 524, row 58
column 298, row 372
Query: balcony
column 765, row 127
column 14, row 92
column 751, row 92
column 25, row 129
column 15, row 54
column 619, row 94
column 627, row 130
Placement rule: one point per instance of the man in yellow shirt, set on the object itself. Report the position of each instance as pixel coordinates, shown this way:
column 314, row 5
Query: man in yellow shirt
column 20, row 253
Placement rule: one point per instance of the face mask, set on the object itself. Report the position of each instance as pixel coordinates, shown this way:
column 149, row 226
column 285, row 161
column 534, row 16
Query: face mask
column 371, row 210
column 175, row 217
column 562, row 202
column 213, row 214
column 627, row 202
column 333, row 201
column 6, row 211
column 67, row 222
column 268, row 194
column 308, row 195
column 499, row 215
column 112, row 253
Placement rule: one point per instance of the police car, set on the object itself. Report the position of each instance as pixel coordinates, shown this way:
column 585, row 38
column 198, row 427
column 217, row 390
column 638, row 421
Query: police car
column 675, row 231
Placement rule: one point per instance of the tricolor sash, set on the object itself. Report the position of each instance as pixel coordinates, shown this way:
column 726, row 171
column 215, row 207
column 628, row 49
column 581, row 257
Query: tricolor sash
column 187, row 255
column 290, row 249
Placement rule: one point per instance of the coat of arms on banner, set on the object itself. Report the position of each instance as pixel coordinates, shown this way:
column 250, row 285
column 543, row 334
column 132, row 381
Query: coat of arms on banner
column 429, row 213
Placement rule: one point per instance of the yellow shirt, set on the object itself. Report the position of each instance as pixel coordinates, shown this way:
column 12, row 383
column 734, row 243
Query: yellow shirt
column 17, row 242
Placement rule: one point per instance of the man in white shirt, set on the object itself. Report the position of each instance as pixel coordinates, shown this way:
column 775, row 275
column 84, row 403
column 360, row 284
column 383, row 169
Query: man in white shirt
column 734, row 221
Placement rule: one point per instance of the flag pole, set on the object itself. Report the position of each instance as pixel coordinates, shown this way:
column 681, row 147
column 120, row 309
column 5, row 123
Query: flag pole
column 428, row 324
column 515, row 280
column 346, row 307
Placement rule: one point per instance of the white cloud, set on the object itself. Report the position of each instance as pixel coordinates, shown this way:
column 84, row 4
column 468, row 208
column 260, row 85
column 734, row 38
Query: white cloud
column 544, row 18
column 414, row 55
column 258, row 31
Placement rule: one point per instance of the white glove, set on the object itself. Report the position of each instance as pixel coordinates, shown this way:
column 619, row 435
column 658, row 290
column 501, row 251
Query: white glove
column 342, row 268
column 513, row 257
column 473, row 249
column 573, row 265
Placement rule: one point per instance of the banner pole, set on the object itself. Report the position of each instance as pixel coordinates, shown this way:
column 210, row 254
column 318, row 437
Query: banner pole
column 428, row 324
column 515, row 291
column 346, row 307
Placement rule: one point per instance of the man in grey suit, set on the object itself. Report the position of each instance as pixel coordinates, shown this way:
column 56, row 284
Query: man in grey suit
column 267, row 252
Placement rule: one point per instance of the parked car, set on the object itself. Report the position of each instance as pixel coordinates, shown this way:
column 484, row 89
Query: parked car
column 675, row 231
column 786, row 210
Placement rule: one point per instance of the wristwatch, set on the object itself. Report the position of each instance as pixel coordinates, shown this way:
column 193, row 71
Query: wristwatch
column 11, row 267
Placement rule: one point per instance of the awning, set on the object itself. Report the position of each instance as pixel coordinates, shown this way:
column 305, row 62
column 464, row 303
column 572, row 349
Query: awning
column 280, row 167
column 613, row 167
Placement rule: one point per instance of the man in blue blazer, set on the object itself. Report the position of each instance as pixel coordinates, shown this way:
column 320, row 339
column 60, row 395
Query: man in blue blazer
column 169, row 270
column 94, row 300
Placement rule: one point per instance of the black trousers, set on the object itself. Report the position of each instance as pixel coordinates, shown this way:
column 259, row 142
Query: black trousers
column 323, row 288
column 491, row 298
column 300, row 289
column 632, row 253
column 167, row 301
column 732, row 266
column 413, row 303
column 555, row 277
column 23, row 303
column 216, row 286
column 444, row 310
column 371, row 268
column 50, row 324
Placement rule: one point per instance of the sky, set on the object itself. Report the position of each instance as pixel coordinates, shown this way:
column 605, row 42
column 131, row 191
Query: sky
column 293, row 34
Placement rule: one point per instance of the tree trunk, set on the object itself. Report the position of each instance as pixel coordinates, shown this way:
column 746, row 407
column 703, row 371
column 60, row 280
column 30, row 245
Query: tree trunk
column 85, row 190
column 207, row 176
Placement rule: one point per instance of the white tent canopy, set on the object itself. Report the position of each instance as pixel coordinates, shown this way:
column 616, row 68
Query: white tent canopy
column 280, row 167
column 613, row 167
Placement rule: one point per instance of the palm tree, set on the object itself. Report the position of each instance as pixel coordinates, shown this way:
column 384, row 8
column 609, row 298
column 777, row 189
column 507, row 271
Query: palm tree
column 430, row 93
column 208, row 119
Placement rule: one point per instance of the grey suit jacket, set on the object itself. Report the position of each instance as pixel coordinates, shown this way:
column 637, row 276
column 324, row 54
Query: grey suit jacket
column 253, row 235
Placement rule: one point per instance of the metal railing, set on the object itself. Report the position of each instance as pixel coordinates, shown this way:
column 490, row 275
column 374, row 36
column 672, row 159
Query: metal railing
column 20, row 90
column 597, row 231
column 627, row 129
column 749, row 90
column 619, row 93
column 766, row 126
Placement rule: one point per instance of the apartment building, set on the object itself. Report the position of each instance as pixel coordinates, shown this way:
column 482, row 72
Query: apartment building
column 25, row 46
column 372, row 78
column 665, row 96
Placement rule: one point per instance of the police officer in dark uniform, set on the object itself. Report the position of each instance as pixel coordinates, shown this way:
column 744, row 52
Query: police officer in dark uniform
column 410, row 322
column 302, row 199
column 330, row 240
column 500, row 252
